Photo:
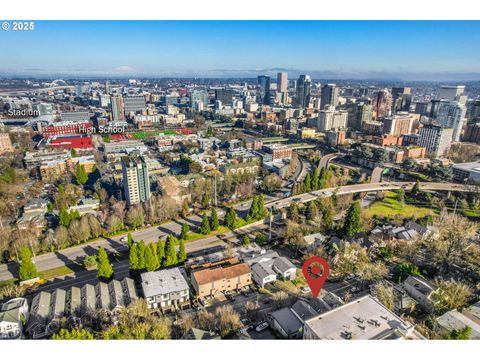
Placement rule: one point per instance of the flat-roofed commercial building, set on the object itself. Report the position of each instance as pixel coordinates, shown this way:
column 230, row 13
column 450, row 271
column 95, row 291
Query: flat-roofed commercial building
column 362, row 319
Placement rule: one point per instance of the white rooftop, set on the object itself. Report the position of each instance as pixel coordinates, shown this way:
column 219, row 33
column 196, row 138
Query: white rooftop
column 364, row 318
column 163, row 282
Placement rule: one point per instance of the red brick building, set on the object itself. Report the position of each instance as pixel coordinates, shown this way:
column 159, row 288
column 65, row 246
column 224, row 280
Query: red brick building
column 65, row 128
column 71, row 142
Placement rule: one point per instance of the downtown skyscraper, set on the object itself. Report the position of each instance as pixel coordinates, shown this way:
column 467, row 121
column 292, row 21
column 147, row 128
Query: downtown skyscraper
column 304, row 84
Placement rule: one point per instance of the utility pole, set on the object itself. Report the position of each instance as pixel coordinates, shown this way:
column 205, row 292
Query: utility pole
column 215, row 187
column 270, row 227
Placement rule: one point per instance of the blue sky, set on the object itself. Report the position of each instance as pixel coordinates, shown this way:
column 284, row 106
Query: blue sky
column 348, row 49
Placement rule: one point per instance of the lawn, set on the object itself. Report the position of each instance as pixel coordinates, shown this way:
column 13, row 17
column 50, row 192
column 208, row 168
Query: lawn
column 192, row 236
column 390, row 206
column 60, row 271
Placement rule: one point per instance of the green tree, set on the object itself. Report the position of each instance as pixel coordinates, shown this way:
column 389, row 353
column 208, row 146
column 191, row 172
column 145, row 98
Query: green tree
column 460, row 334
column 205, row 201
column 151, row 258
column 133, row 257
column 27, row 270
column 185, row 208
column 307, row 185
column 214, row 219
column 104, row 268
column 170, row 252
column 293, row 212
column 312, row 211
column 209, row 132
column 353, row 223
column 161, row 252
column 205, row 227
column 231, row 219
column 403, row 270
column 245, row 240
column 185, row 231
column 129, row 240
column 141, row 255
column 74, row 334
column 64, row 217
column 315, row 178
column 262, row 212
column 254, row 210
column 401, row 196
column 322, row 183
column 260, row 239
column 74, row 153
column 182, row 253
column 328, row 217
column 415, row 189
column 81, row 175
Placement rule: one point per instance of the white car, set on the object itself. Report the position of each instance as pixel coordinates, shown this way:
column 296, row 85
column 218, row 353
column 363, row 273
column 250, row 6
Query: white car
column 124, row 239
column 261, row 327
column 304, row 290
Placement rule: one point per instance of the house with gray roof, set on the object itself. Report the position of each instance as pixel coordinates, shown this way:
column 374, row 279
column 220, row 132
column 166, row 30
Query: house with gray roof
column 166, row 289
column 13, row 313
column 456, row 320
column 268, row 266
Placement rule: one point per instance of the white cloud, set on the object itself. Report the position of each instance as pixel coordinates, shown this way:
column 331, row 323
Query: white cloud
column 124, row 68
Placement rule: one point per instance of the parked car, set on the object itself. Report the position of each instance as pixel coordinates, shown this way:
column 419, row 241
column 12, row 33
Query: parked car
column 304, row 290
column 203, row 302
column 261, row 327
column 124, row 239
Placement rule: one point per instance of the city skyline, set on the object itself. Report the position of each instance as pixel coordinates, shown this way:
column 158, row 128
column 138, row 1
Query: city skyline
column 389, row 50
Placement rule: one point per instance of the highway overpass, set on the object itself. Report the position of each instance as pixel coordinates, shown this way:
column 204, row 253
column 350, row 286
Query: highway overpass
column 360, row 188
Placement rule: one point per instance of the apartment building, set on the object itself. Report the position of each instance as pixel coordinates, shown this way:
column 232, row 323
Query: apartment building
column 221, row 276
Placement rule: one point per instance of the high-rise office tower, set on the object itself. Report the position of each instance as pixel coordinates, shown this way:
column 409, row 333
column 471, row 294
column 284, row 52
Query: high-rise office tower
column 134, row 104
column 330, row 93
column 282, row 82
column 264, row 89
column 225, row 96
column 136, row 184
column 358, row 114
column 451, row 114
column 116, row 103
column 435, row 139
column 198, row 97
column 304, row 83
column 452, row 93
column 329, row 119
column 401, row 99
column 398, row 125
column 107, row 87
column 382, row 103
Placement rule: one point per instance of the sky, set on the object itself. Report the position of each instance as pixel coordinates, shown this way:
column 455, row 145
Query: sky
column 408, row 50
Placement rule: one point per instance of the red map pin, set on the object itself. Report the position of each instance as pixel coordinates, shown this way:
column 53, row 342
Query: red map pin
column 315, row 270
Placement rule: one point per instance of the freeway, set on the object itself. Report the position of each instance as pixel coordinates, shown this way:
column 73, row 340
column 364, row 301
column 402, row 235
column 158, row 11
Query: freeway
column 360, row 188
column 76, row 254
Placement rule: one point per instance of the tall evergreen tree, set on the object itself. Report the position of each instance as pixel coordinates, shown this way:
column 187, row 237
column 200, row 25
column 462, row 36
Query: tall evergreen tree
column 205, row 227
column 352, row 224
column 141, row 255
column 312, row 211
column 214, row 219
column 185, row 231
column 246, row 240
column 129, row 240
column 170, row 252
column 182, row 253
column 27, row 270
column 161, row 252
column 133, row 257
column 231, row 218
column 307, row 185
column 322, row 184
column 81, row 175
column 315, row 178
column 253, row 212
column 205, row 201
column 104, row 268
column 151, row 258
column 262, row 212
column 328, row 217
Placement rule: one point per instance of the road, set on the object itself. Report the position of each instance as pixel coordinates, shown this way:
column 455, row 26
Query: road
column 76, row 254
column 121, row 267
column 360, row 188
column 113, row 244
